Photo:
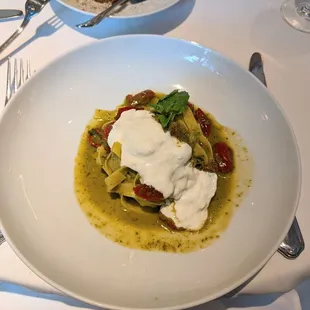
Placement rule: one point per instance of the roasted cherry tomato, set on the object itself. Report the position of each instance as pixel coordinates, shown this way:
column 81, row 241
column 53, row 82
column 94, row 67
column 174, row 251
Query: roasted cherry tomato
column 224, row 157
column 148, row 193
column 123, row 109
column 211, row 166
column 169, row 222
column 141, row 98
column 204, row 122
column 107, row 129
column 95, row 137
column 129, row 99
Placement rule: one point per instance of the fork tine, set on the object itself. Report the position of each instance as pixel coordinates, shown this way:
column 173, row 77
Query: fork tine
column 21, row 73
column 28, row 70
column 8, row 93
column 20, row 76
column 15, row 76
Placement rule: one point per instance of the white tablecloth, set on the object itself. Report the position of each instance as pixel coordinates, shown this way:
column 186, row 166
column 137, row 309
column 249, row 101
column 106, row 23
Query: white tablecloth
column 236, row 28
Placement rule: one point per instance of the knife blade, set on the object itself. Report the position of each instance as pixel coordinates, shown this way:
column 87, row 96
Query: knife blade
column 7, row 13
column 293, row 244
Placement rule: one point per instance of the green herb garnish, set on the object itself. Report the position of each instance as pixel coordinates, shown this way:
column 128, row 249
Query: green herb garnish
column 170, row 106
column 95, row 137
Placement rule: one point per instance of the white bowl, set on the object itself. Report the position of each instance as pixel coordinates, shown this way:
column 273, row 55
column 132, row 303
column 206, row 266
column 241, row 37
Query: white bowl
column 40, row 132
column 146, row 8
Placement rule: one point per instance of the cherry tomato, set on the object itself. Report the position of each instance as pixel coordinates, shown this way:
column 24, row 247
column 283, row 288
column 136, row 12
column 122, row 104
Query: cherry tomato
column 107, row 129
column 170, row 223
column 148, row 193
column 141, row 98
column 224, row 157
column 123, row 109
column 204, row 122
column 129, row 99
column 211, row 166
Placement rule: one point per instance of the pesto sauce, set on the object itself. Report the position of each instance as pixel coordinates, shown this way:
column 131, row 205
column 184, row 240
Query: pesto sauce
column 138, row 228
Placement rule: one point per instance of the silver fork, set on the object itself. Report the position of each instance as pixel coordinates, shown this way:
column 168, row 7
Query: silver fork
column 14, row 81
column 32, row 8
column 100, row 17
column 17, row 79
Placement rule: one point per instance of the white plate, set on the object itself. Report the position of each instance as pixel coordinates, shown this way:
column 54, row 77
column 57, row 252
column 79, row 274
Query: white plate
column 131, row 10
column 40, row 132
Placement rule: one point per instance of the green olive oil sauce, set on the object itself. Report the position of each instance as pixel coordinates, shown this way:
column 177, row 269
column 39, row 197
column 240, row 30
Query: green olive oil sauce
column 138, row 228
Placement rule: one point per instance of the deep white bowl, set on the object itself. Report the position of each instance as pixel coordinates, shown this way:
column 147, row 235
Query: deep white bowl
column 146, row 8
column 40, row 132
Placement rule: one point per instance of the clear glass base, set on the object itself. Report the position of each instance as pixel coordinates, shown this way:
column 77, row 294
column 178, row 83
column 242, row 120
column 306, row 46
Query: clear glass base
column 297, row 16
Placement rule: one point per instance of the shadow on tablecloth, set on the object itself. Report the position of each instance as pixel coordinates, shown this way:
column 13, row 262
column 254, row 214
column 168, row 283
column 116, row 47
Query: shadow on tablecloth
column 295, row 299
column 21, row 290
column 46, row 29
column 159, row 23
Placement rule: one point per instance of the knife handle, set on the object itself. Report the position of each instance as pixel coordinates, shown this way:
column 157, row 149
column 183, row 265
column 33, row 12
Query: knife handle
column 7, row 13
column 256, row 67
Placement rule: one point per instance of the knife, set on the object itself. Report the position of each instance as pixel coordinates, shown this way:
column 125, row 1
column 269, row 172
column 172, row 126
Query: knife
column 293, row 244
column 10, row 13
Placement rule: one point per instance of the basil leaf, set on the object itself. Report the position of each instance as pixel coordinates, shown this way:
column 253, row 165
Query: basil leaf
column 170, row 106
column 163, row 120
column 157, row 108
column 170, row 95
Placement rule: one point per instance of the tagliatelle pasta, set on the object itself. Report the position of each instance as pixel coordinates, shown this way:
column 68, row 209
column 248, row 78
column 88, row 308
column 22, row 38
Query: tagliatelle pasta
column 157, row 163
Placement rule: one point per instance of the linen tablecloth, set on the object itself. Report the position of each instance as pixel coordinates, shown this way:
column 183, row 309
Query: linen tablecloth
column 234, row 28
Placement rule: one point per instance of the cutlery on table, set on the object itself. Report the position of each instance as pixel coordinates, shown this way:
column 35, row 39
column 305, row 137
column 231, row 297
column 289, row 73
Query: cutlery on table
column 21, row 73
column 7, row 13
column 98, row 19
column 293, row 244
column 32, row 8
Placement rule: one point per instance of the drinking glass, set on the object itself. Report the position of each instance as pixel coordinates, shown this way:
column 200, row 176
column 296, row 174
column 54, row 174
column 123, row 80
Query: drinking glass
column 297, row 14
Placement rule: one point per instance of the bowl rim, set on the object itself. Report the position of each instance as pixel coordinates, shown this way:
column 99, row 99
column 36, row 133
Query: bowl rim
column 174, row 2
column 235, row 284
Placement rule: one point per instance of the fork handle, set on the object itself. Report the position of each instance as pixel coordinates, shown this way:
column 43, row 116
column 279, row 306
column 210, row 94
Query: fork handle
column 19, row 30
column 293, row 244
column 97, row 19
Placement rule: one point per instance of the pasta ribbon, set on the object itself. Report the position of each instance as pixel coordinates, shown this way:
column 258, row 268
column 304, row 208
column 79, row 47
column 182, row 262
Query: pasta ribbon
column 123, row 180
column 116, row 178
column 117, row 149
